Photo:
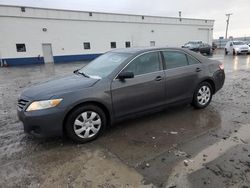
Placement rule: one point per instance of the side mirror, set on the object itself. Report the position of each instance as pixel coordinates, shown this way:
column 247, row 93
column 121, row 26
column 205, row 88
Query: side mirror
column 125, row 75
column 75, row 71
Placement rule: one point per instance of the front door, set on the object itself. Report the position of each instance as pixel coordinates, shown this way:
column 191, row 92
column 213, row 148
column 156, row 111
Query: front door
column 47, row 53
column 146, row 90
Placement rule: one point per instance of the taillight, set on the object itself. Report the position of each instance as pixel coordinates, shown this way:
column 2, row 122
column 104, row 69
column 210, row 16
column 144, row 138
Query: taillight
column 221, row 66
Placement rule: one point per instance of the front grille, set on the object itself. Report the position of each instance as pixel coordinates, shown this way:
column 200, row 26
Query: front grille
column 244, row 50
column 22, row 103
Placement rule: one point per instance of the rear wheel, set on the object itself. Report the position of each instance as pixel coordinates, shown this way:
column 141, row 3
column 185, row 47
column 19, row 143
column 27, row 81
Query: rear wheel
column 202, row 95
column 85, row 123
column 210, row 52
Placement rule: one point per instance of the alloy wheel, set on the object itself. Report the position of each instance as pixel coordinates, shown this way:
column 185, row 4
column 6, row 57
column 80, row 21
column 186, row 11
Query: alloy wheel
column 87, row 124
column 204, row 95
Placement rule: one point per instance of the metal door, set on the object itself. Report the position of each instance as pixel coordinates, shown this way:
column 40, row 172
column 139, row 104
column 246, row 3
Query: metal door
column 47, row 53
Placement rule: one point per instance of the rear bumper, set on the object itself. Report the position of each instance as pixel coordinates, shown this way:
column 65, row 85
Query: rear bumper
column 42, row 123
column 219, row 79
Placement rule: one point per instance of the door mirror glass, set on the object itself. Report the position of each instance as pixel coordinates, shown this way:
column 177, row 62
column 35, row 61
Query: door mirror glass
column 125, row 75
column 75, row 71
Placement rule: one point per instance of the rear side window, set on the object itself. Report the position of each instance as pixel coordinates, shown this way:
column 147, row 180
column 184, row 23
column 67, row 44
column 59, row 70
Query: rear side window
column 144, row 64
column 174, row 59
column 192, row 61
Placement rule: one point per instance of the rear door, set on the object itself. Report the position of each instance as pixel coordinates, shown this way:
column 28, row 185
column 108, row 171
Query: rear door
column 146, row 90
column 183, row 73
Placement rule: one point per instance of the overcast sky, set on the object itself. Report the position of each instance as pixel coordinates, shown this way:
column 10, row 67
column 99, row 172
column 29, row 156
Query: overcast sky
column 209, row 9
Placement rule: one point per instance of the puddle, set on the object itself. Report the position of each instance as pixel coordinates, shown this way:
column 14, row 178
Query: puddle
column 180, row 173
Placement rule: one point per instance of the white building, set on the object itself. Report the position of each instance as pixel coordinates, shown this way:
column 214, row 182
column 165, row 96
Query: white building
column 28, row 34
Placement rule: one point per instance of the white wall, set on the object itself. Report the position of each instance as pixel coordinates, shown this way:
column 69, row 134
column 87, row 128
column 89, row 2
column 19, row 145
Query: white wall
column 67, row 30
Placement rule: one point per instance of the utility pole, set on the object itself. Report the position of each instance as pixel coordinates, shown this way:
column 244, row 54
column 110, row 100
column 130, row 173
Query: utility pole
column 180, row 15
column 228, row 18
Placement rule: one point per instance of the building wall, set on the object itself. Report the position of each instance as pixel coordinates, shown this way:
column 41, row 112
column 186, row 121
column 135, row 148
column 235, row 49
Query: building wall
column 67, row 30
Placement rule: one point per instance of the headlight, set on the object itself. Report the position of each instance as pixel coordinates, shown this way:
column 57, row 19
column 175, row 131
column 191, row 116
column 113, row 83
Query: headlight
column 39, row 105
column 237, row 49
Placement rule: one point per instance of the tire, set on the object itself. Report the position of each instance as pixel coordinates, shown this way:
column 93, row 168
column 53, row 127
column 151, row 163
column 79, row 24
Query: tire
column 210, row 52
column 85, row 123
column 234, row 53
column 226, row 52
column 202, row 95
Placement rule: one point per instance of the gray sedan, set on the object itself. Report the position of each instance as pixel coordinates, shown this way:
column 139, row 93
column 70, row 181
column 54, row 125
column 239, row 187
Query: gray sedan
column 117, row 85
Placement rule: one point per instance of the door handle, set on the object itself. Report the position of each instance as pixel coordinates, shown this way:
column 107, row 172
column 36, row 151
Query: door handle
column 198, row 69
column 158, row 78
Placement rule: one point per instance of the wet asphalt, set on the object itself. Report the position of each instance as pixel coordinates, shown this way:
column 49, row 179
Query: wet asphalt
column 178, row 147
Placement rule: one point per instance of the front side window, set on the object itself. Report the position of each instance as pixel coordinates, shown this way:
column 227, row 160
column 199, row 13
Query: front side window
column 174, row 59
column 104, row 64
column 144, row 64
column 20, row 48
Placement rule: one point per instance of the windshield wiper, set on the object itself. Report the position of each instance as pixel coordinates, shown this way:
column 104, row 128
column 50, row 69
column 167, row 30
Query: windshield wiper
column 81, row 73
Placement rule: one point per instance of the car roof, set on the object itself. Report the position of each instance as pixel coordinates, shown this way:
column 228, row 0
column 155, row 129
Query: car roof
column 136, row 50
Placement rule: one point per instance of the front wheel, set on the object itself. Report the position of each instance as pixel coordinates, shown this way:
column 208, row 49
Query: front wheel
column 85, row 123
column 234, row 52
column 226, row 52
column 202, row 95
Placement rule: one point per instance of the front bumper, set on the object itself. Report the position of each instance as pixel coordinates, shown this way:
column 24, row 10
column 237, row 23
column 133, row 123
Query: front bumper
column 242, row 51
column 42, row 123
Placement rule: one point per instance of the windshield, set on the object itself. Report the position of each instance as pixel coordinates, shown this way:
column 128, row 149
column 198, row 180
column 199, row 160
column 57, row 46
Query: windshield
column 194, row 42
column 104, row 64
column 238, row 43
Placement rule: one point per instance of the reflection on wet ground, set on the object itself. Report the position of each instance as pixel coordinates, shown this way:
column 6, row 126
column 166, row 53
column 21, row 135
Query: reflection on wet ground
column 209, row 154
column 141, row 139
column 233, row 63
column 147, row 147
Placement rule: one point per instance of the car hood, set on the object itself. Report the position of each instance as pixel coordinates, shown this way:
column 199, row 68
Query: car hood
column 58, row 86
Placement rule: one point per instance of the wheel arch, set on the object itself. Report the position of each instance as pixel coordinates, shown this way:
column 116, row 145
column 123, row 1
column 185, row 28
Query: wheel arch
column 96, row 103
column 211, row 82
